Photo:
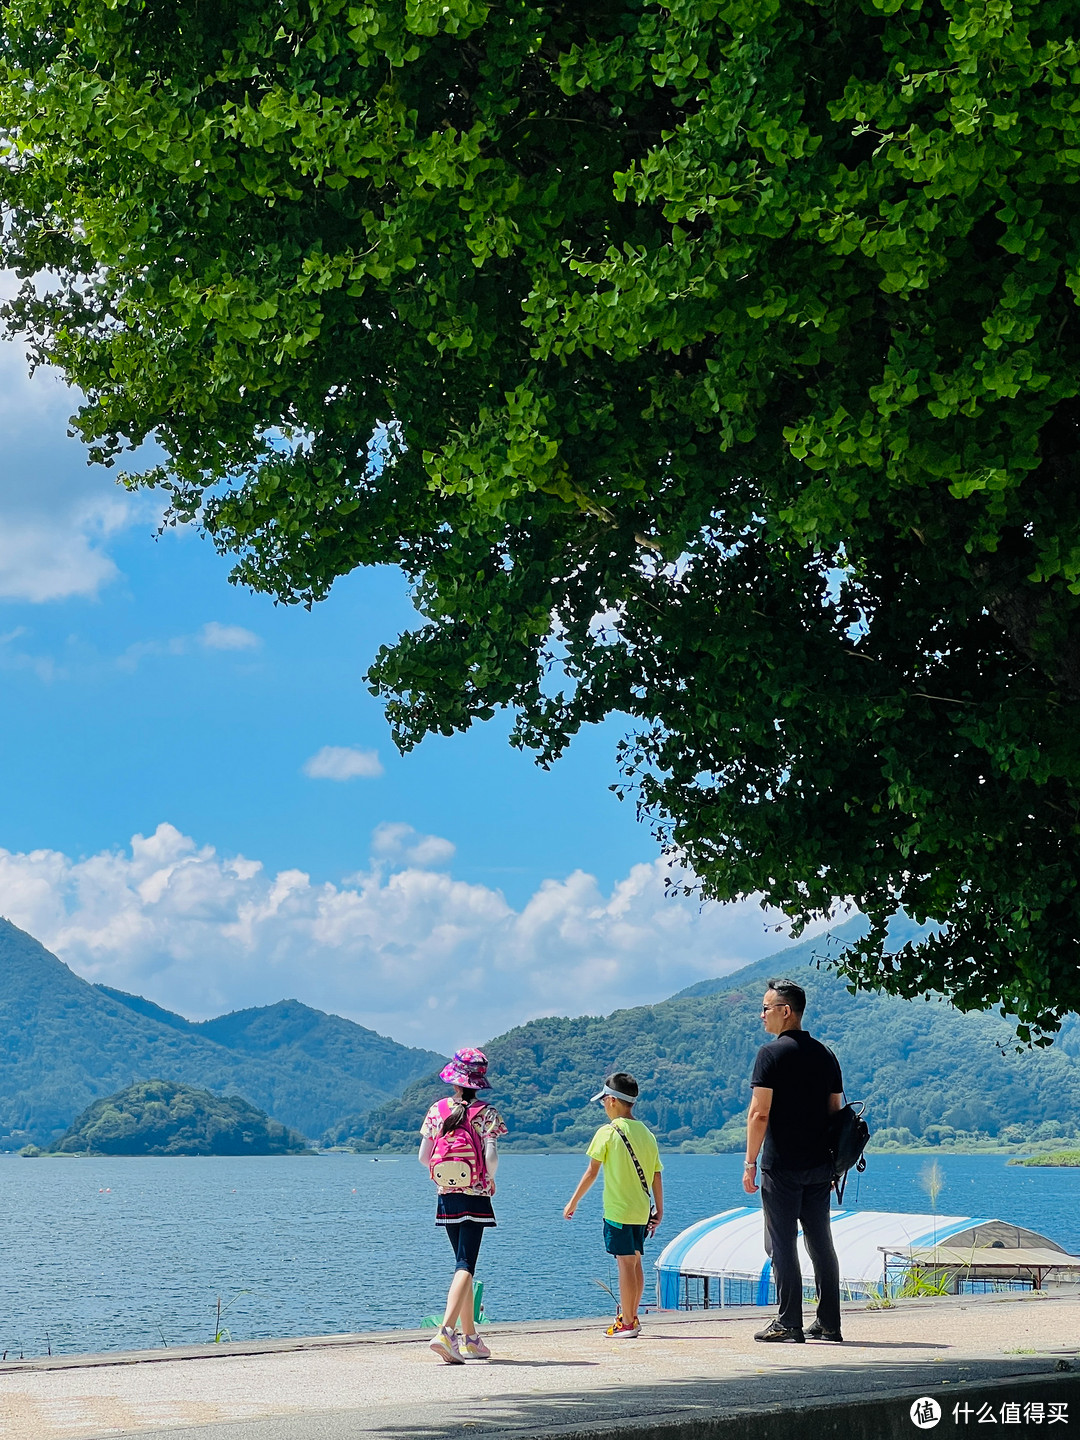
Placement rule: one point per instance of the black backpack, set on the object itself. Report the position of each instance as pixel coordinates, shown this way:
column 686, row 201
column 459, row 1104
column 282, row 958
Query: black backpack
column 848, row 1134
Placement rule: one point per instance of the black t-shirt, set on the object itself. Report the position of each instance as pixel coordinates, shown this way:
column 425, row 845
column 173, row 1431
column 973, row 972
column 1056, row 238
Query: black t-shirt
column 802, row 1074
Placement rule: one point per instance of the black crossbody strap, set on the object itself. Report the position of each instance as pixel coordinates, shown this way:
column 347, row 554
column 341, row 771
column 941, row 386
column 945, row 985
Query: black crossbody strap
column 637, row 1163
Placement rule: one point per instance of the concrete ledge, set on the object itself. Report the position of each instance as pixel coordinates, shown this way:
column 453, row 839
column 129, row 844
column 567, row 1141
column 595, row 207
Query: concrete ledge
column 690, row 1376
column 172, row 1353
column 886, row 1417
column 168, row 1355
column 668, row 1319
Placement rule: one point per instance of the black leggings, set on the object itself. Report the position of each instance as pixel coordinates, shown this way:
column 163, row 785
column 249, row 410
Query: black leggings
column 465, row 1237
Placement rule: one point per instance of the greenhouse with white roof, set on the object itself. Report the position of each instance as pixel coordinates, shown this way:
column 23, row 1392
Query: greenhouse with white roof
column 721, row 1261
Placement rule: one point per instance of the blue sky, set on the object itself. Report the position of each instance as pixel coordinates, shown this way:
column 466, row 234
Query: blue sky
column 126, row 707
column 144, row 691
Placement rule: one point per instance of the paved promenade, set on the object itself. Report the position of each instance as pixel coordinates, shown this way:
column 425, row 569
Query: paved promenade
column 687, row 1377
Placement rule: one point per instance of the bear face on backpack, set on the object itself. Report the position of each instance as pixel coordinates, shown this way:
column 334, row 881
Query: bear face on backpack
column 452, row 1175
column 457, row 1161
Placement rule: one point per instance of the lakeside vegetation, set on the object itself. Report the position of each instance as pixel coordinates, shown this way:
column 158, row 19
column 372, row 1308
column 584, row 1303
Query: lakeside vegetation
column 158, row 1117
column 1064, row 1159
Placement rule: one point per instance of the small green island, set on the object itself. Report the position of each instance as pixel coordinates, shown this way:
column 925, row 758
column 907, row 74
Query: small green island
column 1061, row 1158
column 160, row 1117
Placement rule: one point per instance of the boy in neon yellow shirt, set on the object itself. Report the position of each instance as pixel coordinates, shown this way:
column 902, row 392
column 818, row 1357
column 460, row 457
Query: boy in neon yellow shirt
column 628, row 1152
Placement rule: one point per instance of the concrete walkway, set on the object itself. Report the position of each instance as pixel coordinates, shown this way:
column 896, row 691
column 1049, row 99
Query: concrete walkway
column 687, row 1377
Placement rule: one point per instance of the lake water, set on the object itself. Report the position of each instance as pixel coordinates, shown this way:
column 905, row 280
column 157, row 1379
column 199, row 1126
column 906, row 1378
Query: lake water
column 116, row 1254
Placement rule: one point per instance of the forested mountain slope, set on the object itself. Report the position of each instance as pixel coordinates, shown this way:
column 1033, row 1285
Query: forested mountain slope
column 65, row 1043
column 924, row 1070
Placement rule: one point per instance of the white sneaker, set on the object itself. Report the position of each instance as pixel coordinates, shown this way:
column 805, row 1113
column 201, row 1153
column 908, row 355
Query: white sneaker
column 445, row 1346
column 473, row 1348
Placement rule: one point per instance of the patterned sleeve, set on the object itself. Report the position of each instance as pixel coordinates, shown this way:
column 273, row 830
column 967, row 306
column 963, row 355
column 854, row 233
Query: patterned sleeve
column 432, row 1120
column 489, row 1123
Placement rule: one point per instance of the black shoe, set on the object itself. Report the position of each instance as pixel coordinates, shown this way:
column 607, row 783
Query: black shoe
column 818, row 1332
column 778, row 1334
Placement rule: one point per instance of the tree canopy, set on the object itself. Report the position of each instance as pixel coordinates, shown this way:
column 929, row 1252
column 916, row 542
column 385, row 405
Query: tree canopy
column 710, row 362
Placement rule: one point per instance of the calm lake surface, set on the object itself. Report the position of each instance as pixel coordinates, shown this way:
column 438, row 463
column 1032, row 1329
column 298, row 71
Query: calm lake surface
column 118, row 1254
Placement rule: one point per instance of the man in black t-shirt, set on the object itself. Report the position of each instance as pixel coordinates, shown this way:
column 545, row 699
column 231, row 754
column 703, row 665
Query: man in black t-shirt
column 796, row 1087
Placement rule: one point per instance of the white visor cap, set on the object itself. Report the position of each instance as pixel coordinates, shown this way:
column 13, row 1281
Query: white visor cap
column 618, row 1094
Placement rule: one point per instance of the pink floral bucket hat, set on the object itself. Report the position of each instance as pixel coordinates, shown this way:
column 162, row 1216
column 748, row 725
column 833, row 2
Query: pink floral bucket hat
column 468, row 1069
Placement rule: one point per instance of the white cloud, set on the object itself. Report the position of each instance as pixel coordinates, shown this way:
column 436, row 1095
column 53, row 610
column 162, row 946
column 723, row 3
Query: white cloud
column 341, row 762
column 57, row 515
column 150, row 649
column 401, row 947
column 228, row 637
column 45, row 557
column 27, row 400
column 402, row 845
column 212, row 636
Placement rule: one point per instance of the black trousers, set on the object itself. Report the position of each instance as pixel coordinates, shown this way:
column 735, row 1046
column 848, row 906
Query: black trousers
column 788, row 1198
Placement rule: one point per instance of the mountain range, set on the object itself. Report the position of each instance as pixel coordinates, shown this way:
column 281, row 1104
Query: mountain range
column 65, row 1043
column 926, row 1073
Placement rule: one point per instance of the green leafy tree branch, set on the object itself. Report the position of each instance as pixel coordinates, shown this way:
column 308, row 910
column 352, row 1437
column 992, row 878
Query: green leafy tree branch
column 718, row 359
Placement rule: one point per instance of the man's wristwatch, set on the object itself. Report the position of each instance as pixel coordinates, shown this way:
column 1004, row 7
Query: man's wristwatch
column 750, row 1165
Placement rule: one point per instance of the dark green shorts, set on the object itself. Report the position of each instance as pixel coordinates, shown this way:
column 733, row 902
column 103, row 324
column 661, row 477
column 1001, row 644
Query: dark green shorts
column 624, row 1239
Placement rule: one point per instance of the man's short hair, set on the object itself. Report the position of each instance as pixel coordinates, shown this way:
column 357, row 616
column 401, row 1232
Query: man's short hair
column 790, row 994
column 624, row 1082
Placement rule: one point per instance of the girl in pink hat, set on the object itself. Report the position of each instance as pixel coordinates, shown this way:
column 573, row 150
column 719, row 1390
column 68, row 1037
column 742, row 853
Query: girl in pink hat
column 459, row 1145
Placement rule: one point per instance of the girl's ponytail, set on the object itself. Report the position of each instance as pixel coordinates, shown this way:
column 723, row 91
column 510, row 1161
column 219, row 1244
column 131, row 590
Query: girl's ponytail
column 456, row 1118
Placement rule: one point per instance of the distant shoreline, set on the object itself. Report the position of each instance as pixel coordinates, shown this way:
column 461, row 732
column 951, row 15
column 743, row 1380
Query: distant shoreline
column 35, row 1154
column 1034, row 1149
column 1017, row 1154
column 872, row 1152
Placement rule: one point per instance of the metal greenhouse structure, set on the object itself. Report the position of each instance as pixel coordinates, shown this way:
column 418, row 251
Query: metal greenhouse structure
column 721, row 1261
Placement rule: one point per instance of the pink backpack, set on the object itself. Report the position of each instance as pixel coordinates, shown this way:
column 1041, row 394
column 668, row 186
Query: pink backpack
column 456, row 1161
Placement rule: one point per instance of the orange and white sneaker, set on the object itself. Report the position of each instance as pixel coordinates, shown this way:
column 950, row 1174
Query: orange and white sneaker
column 621, row 1329
column 445, row 1346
